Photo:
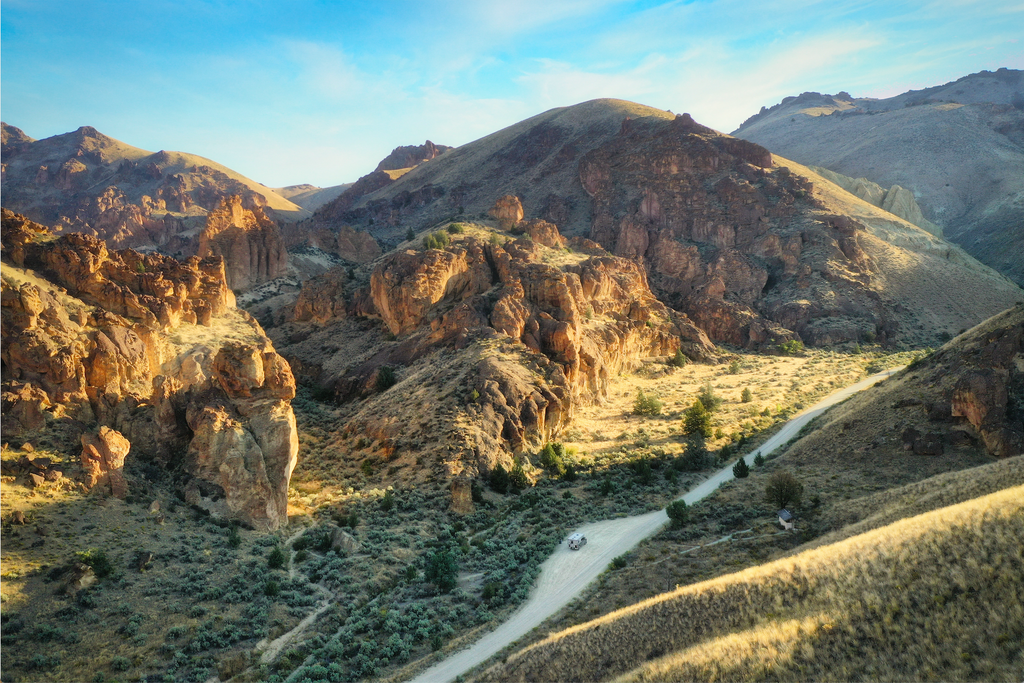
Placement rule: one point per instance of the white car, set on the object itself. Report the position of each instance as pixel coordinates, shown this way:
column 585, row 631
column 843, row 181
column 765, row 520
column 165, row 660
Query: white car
column 577, row 541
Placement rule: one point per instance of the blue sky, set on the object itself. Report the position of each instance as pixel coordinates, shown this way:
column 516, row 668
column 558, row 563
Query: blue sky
column 289, row 92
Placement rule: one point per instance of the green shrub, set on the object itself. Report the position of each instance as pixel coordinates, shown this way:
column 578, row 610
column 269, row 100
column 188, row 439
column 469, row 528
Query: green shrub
column 741, row 470
column 679, row 360
column 234, row 538
column 98, row 560
column 646, row 405
column 277, row 558
column 456, row 228
column 747, row 395
column 758, row 459
column 499, row 480
column 607, row 487
column 679, row 512
column 734, row 367
column 618, row 563
column 388, row 501
column 437, row 240
column 697, row 420
column 790, row 348
column 474, row 396
column 410, row 235
column 385, row 378
column 271, row 588
column 120, row 664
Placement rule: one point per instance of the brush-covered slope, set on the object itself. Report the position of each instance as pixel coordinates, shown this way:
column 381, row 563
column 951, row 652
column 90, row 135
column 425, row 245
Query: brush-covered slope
column 311, row 197
column 958, row 148
column 755, row 249
column 85, row 181
column 936, row 595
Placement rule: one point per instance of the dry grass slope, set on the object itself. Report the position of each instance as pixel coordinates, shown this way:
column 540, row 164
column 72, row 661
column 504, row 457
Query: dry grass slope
column 936, row 596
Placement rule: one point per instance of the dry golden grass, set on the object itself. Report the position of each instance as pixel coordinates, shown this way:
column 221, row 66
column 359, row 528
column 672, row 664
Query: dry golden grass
column 934, row 597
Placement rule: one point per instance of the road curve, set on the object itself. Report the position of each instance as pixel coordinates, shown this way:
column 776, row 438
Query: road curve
column 566, row 573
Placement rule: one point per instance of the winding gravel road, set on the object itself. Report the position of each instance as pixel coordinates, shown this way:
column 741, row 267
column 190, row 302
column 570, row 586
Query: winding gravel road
column 566, row 573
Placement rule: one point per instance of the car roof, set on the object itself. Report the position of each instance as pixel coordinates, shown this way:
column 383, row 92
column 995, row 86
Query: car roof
column 576, row 535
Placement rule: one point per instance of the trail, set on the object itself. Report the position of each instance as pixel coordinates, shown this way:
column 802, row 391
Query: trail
column 566, row 573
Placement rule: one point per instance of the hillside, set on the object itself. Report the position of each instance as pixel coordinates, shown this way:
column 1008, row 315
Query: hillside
column 974, row 125
column 311, row 197
column 755, row 249
column 896, row 602
column 85, row 181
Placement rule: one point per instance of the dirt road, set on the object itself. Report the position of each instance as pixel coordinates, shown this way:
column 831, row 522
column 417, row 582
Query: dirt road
column 566, row 573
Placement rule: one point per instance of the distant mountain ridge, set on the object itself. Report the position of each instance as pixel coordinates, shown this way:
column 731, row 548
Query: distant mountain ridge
column 958, row 148
column 85, row 181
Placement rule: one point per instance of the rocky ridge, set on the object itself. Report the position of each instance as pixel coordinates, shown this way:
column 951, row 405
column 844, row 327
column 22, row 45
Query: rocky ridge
column 95, row 339
column 974, row 125
column 521, row 341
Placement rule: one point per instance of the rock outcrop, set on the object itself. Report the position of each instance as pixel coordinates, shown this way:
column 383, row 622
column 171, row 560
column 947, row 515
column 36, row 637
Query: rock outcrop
column 410, row 156
column 248, row 241
column 132, row 347
column 571, row 328
column 508, row 211
column 896, row 200
column 103, row 456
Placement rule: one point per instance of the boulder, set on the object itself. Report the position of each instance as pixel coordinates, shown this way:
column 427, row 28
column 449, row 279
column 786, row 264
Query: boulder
column 343, row 541
column 103, row 457
column 508, row 211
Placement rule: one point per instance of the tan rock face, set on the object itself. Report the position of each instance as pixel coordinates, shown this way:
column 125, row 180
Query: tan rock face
column 322, row 297
column 343, row 241
column 248, row 241
column 103, row 457
column 508, row 211
column 119, row 348
column 578, row 324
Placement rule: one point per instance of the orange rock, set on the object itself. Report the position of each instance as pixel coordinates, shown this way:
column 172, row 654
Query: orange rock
column 508, row 211
column 103, row 457
column 248, row 241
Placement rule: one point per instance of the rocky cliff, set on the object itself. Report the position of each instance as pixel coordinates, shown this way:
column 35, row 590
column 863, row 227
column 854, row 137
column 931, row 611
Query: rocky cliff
column 117, row 340
column 249, row 243
column 754, row 249
column 522, row 333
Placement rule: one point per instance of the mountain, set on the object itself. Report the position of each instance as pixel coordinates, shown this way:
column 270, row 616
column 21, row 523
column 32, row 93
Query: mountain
column 958, row 148
column 85, row 181
column 755, row 249
column 311, row 197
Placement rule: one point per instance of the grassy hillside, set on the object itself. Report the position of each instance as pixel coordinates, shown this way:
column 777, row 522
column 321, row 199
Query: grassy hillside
column 936, row 596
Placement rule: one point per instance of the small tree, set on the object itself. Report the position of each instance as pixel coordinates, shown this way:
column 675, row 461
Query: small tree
column 740, row 470
column 517, row 478
column 443, row 570
column 410, row 235
column 708, row 398
column 678, row 512
column 697, row 420
column 551, row 457
column 734, row 367
column 499, row 479
column 646, row 405
column 758, row 459
column 276, row 558
column 385, row 378
column 783, row 489
column 747, row 395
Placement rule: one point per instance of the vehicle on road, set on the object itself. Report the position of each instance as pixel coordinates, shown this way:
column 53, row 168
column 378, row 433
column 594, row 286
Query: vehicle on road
column 577, row 541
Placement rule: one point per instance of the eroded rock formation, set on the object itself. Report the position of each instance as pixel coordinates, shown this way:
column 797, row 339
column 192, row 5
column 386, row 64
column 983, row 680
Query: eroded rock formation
column 248, row 241
column 134, row 345
column 570, row 327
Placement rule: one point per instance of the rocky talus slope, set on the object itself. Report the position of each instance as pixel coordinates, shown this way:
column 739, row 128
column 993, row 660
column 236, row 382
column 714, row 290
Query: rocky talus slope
column 957, row 148
column 153, row 350
column 498, row 342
